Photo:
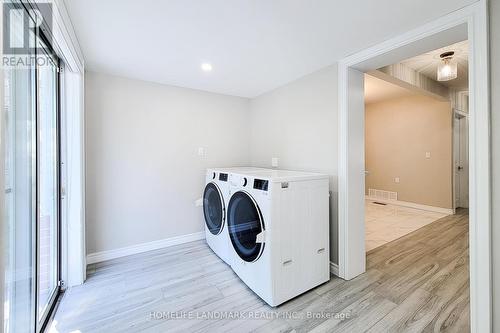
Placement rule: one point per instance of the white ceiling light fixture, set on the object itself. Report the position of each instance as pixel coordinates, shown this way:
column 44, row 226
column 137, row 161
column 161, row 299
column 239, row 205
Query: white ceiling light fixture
column 447, row 69
column 206, row 67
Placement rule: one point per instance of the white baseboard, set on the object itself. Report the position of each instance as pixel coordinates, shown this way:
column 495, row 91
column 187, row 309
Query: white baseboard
column 92, row 258
column 334, row 269
column 413, row 205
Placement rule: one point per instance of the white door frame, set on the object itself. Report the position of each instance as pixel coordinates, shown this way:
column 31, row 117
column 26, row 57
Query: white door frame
column 473, row 19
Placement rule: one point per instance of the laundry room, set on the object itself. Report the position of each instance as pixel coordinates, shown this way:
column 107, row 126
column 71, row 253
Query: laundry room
column 180, row 133
column 247, row 166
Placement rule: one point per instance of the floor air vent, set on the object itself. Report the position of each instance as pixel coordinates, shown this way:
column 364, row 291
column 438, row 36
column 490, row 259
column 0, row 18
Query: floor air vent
column 382, row 195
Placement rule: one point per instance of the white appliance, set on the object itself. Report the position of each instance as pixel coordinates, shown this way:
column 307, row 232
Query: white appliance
column 215, row 199
column 279, row 231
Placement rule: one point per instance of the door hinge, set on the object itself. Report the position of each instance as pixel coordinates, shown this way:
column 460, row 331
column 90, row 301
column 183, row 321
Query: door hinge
column 59, row 69
column 61, row 283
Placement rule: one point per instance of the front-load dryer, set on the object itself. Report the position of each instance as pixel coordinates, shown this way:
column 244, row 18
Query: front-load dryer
column 215, row 199
column 279, row 232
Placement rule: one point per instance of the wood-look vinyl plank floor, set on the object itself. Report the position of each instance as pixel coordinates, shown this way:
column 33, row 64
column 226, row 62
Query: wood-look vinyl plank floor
column 417, row 283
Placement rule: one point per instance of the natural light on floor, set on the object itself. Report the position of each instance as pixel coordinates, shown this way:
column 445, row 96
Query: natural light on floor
column 386, row 222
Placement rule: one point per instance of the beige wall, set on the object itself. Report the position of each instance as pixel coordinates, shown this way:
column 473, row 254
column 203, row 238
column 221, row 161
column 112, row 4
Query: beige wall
column 399, row 132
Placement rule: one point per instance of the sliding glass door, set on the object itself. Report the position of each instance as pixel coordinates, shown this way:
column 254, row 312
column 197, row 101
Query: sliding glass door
column 32, row 198
column 20, row 191
column 48, row 182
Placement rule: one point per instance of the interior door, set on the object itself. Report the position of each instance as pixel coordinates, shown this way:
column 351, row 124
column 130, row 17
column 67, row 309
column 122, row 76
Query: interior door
column 461, row 160
column 48, row 240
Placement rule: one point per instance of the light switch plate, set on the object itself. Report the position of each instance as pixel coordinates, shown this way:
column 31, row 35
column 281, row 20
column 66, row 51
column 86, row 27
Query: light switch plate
column 427, row 154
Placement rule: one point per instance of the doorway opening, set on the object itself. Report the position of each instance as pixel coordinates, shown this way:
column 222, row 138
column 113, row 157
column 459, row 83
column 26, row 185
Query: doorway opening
column 468, row 23
column 416, row 144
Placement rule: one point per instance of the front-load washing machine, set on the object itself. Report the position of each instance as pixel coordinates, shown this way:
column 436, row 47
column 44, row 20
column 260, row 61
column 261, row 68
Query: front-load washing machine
column 215, row 199
column 279, row 232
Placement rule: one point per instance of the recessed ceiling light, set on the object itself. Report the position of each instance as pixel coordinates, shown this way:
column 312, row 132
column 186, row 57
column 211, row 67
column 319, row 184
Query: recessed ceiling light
column 206, row 67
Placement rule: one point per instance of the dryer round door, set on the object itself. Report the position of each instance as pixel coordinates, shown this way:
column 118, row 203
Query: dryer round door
column 213, row 208
column 246, row 226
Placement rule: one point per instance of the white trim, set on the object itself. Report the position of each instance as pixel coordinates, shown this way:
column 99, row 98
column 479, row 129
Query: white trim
column 448, row 211
column 73, row 157
column 67, row 48
column 64, row 39
column 3, row 245
column 479, row 173
column 475, row 18
column 93, row 258
column 334, row 268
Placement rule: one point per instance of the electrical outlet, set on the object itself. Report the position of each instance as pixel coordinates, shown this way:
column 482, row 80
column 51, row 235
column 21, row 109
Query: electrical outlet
column 274, row 162
column 396, row 180
column 202, row 152
column 427, row 154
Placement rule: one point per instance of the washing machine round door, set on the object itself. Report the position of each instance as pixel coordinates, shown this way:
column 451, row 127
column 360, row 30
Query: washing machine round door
column 245, row 224
column 213, row 208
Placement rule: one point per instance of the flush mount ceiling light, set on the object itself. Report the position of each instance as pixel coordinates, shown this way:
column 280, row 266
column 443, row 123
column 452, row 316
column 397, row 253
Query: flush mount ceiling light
column 447, row 69
column 206, row 67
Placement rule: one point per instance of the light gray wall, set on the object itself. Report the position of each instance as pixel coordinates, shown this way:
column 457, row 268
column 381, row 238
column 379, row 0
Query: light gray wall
column 143, row 169
column 298, row 124
column 495, row 133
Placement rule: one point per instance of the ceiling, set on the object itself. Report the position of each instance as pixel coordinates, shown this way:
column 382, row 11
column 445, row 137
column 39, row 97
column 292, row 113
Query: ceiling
column 253, row 45
column 427, row 64
column 377, row 90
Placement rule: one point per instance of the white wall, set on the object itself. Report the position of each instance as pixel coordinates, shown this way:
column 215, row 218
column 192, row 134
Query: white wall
column 143, row 169
column 298, row 124
column 495, row 133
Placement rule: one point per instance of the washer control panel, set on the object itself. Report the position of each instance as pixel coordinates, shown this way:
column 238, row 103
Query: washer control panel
column 260, row 184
